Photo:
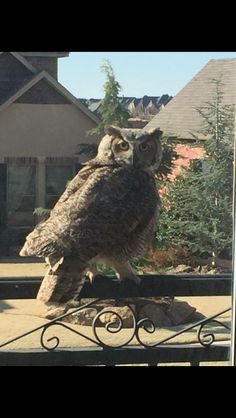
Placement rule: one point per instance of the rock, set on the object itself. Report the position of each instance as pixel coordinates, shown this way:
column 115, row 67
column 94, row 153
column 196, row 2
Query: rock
column 203, row 269
column 124, row 312
column 181, row 268
column 180, row 312
column 169, row 313
column 213, row 271
column 170, row 268
column 163, row 312
column 84, row 317
column 156, row 313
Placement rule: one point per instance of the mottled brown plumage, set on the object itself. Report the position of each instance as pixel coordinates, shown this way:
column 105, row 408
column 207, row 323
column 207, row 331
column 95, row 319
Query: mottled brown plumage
column 108, row 211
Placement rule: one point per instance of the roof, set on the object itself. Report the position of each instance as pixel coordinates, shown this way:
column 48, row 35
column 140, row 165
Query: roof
column 179, row 118
column 23, row 61
column 45, row 54
column 146, row 105
column 53, row 82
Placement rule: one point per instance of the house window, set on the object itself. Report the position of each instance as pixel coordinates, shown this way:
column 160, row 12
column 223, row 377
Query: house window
column 57, row 178
column 20, row 195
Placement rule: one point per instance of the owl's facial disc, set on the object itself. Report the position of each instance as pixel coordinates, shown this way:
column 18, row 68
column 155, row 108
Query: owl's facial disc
column 132, row 147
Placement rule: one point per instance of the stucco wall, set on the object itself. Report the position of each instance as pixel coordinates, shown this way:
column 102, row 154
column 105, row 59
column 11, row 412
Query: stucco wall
column 43, row 130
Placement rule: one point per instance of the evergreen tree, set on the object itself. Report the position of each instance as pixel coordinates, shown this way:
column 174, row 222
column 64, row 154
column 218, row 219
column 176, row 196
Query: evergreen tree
column 111, row 110
column 167, row 163
column 197, row 209
column 112, row 113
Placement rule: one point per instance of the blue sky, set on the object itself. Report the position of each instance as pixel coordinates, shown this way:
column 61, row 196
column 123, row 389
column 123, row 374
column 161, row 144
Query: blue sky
column 139, row 73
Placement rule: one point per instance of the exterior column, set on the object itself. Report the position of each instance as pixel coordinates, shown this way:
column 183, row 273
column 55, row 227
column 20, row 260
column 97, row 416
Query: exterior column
column 41, row 183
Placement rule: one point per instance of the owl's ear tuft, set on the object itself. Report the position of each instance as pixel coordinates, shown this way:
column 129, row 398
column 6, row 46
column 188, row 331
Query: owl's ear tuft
column 157, row 133
column 113, row 130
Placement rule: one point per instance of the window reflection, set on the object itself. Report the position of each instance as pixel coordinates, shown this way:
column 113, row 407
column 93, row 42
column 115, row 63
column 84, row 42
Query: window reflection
column 57, row 178
column 20, row 195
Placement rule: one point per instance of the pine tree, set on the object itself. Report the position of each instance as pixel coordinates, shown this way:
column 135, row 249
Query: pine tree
column 197, row 209
column 111, row 110
column 167, row 163
column 112, row 113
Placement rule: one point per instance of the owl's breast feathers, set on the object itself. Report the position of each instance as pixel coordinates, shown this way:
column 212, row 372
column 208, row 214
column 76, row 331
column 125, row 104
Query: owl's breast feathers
column 101, row 208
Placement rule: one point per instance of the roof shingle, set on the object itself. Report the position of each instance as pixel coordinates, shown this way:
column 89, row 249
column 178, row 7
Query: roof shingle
column 179, row 118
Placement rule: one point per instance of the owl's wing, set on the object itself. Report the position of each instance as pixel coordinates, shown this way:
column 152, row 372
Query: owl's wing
column 38, row 234
column 74, row 185
column 97, row 214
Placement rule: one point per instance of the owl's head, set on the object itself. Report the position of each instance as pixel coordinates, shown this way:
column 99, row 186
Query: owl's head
column 131, row 147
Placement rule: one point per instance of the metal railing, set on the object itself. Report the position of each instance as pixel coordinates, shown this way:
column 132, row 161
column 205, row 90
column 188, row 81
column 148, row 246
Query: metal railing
column 101, row 353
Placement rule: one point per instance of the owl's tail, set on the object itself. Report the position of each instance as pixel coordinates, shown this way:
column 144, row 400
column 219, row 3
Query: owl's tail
column 64, row 283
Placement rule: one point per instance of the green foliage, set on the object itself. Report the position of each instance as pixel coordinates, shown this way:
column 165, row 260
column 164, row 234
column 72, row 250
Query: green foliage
column 111, row 111
column 42, row 213
column 197, row 209
column 168, row 158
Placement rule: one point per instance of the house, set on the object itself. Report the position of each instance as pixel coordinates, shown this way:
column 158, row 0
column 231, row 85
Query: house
column 180, row 120
column 41, row 126
column 141, row 110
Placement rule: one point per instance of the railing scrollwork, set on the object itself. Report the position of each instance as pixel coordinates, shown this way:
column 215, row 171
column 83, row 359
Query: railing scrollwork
column 116, row 327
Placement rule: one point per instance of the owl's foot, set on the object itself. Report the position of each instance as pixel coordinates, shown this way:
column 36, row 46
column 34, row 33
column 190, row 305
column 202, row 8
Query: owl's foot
column 124, row 271
column 91, row 276
column 92, row 272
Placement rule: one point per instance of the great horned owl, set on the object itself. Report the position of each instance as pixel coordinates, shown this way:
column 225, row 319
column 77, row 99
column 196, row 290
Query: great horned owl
column 108, row 212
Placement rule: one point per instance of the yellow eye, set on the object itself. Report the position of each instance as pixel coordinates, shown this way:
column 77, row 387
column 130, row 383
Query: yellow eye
column 124, row 146
column 144, row 147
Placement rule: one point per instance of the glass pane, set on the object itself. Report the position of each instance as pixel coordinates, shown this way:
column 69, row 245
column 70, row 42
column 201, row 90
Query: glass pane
column 21, row 180
column 27, row 203
column 20, row 218
column 21, row 195
column 57, row 178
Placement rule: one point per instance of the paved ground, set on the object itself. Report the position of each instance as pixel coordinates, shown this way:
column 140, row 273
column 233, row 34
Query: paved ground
column 19, row 316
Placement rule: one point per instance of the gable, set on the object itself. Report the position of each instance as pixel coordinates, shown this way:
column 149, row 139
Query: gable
column 51, row 81
column 42, row 93
column 13, row 74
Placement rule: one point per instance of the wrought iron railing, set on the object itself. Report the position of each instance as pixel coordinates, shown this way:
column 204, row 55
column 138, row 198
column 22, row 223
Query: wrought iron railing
column 156, row 351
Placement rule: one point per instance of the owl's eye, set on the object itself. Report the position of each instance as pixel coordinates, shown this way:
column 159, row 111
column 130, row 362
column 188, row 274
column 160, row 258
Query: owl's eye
column 144, row 147
column 124, row 146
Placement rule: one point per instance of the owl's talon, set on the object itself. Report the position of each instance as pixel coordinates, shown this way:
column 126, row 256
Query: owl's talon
column 92, row 272
column 91, row 276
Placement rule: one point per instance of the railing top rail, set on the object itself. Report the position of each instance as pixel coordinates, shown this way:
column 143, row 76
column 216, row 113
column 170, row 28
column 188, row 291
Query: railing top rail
column 108, row 287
